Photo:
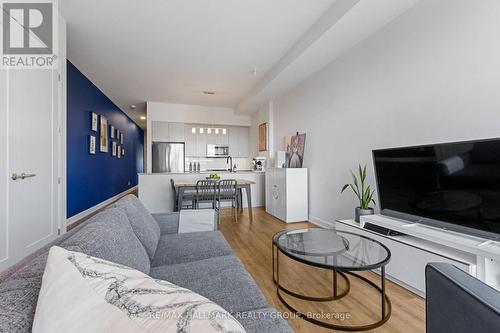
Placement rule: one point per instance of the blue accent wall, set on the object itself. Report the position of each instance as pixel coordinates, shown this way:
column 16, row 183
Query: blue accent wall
column 91, row 179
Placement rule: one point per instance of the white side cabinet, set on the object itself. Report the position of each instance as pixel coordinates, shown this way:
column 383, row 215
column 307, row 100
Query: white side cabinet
column 286, row 194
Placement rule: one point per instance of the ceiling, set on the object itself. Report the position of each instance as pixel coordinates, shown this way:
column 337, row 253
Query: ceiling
column 173, row 50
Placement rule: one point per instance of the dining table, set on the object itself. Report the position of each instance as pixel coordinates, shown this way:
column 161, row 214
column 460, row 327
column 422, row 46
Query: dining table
column 182, row 187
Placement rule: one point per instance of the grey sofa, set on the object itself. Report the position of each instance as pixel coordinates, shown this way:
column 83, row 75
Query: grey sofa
column 128, row 234
column 459, row 303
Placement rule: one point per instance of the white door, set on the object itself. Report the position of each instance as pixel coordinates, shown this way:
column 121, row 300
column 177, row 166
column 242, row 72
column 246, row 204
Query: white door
column 33, row 143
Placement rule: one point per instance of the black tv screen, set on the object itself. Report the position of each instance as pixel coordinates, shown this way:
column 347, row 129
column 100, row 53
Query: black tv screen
column 450, row 185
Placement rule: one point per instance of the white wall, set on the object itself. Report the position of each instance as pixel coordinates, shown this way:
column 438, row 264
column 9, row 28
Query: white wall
column 432, row 75
column 183, row 113
column 263, row 115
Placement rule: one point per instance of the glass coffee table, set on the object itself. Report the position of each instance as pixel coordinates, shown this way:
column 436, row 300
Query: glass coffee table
column 344, row 253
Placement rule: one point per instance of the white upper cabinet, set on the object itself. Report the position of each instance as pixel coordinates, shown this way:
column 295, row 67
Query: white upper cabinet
column 190, row 140
column 243, row 137
column 222, row 139
column 201, row 144
column 233, row 141
column 160, row 131
column 176, row 132
column 237, row 138
column 238, row 141
column 164, row 131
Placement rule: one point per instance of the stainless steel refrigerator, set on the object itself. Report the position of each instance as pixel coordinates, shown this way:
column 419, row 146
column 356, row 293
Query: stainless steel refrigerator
column 168, row 157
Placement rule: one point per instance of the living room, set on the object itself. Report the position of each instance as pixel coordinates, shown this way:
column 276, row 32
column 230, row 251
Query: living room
column 263, row 166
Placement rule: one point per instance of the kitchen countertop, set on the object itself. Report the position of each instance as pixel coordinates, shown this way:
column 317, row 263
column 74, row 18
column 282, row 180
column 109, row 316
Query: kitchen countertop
column 203, row 173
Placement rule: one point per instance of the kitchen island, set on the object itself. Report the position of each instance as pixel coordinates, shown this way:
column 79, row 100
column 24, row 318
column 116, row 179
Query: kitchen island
column 157, row 195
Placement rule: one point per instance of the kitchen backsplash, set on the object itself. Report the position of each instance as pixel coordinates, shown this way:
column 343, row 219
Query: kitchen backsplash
column 218, row 163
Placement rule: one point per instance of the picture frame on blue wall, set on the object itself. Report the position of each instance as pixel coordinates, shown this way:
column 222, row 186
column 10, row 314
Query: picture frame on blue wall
column 92, row 144
column 123, row 151
column 121, row 138
column 119, row 152
column 113, row 149
column 103, row 139
column 112, row 131
column 93, row 121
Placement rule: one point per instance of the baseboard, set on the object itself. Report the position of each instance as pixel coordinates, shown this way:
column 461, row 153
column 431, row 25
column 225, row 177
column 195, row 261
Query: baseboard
column 88, row 212
column 321, row 223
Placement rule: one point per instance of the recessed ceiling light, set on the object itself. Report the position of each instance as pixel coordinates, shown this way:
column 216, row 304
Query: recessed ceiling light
column 209, row 92
column 143, row 118
column 133, row 106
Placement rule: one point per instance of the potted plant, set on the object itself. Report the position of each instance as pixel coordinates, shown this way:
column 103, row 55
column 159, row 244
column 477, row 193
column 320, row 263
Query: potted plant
column 363, row 193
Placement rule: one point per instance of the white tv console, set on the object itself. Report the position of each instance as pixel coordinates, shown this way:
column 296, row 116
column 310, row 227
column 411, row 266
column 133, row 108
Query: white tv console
column 422, row 244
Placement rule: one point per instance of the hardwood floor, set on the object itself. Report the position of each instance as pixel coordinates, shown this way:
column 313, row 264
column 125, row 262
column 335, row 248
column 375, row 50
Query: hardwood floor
column 252, row 244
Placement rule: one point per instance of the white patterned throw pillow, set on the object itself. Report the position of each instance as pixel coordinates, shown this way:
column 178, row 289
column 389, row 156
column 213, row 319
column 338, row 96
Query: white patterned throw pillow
column 81, row 293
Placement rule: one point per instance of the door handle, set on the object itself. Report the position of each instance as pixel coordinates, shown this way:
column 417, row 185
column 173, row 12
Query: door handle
column 15, row 176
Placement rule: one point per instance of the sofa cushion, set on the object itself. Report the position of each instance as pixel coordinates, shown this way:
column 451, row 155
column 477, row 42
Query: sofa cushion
column 80, row 293
column 223, row 280
column 180, row 248
column 109, row 236
column 168, row 222
column 144, row 225
column 266, row 320
column 19, row 295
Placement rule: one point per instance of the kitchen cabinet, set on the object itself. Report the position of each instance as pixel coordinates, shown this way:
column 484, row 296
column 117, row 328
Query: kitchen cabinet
column 232, row 135
column 236, row 137
column 238, row 142
column 176, row 132
column 222, row 139
column 160, row 131
column 201, row 144
column 164, row 131
column 190, row 140
column 243, row 137
column 286, row 194
column 212, row 137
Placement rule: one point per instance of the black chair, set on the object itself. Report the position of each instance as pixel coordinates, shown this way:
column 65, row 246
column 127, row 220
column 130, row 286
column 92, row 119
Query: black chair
column 187, row 197
column 227, row 191
column 205, row 193
column 456, row 302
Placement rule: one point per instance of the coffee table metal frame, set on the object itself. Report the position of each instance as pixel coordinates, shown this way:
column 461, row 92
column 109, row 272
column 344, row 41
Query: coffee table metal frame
column 386, row 307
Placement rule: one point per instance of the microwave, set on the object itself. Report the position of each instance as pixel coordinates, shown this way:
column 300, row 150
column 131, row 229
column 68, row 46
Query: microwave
column 217, row 151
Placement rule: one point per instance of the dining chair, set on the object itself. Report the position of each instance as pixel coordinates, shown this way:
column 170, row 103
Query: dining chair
column 205, row 193
column 188, row 197
column 227, row 191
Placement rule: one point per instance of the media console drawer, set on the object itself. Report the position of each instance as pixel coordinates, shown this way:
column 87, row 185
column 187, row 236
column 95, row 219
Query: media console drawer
column 407, row 264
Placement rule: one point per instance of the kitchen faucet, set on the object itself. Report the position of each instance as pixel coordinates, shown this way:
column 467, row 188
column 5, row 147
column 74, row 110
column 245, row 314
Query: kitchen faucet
column 229, row 160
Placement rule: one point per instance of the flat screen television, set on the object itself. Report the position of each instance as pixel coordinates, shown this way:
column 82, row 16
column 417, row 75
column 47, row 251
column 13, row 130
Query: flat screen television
column 455, row 186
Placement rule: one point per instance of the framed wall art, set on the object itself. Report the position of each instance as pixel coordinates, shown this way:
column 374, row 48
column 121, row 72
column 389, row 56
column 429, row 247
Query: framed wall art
column 121, row 138
column 119, row 152
column 263, row 137
column 112, row 131
column 113, row 149
column 103, row 139
column 92, row 144
column 93, row 121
